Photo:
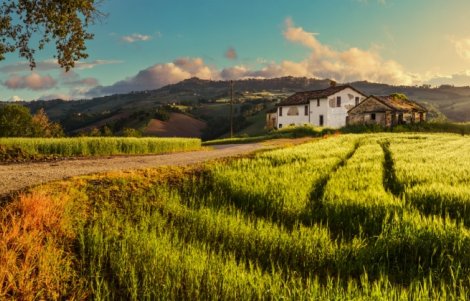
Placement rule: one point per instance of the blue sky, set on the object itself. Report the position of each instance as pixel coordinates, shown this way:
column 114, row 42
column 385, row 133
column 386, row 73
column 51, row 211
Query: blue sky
column 146, row 44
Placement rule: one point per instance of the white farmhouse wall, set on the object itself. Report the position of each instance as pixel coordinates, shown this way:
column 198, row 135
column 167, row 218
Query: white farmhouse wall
column 333, row 117
column 336, row 116
column 287, row 120
column 316, row 111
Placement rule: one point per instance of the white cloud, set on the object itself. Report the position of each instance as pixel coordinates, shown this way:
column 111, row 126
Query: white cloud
column 352, row 64
column 462, row 47
column 73, row 79
column 345, row 66
column 135, row 37
column 14, row 98
column 93, row 64
column 158, row 76
column 348, row 65
column 32, row 81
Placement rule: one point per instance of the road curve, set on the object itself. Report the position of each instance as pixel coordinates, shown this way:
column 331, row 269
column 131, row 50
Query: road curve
column 14, row 177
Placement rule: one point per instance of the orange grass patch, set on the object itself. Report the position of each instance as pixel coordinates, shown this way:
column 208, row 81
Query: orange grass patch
column 36, row 260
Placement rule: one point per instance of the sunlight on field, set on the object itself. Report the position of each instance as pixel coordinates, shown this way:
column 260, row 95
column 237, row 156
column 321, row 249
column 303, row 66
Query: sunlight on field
column 93, row 146
column 380, row 217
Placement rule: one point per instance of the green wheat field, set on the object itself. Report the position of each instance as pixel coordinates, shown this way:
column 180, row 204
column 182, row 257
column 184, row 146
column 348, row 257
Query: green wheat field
column 350, row 217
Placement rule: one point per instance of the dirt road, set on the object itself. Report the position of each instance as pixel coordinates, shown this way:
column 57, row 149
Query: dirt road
column 14, row 177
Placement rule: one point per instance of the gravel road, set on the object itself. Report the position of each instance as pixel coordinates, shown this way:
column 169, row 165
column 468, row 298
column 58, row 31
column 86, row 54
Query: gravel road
column 14, row 177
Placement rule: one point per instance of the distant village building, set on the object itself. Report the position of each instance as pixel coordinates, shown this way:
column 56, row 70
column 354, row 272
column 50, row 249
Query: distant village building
column 328, row 107
column 387, row 111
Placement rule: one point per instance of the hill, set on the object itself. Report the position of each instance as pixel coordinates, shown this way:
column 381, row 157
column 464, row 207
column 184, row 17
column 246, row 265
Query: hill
column 178, row 125
column 207, row 101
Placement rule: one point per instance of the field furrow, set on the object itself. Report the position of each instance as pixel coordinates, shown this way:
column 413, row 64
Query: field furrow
column 279, row 184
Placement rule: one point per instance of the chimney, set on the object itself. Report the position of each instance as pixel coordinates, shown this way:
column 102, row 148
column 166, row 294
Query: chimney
column 332, row 83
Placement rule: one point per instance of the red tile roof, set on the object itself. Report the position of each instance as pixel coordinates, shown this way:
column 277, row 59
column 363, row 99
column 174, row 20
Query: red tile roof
column 301, row 98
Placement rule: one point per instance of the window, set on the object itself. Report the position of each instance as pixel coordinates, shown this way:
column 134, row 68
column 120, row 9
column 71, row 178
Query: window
column 280, row 111
column 321, row 120
column 318, row 102
column 280, row 125
column 306, row 110
column 372, row 116
column 338, row 101
column 293, row 111
column 357, row 101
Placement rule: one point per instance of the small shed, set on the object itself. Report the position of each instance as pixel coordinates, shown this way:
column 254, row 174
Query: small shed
column 387, row 111
column 271, row 119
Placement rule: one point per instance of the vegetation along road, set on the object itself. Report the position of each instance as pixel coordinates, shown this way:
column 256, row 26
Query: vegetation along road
column 19, row 176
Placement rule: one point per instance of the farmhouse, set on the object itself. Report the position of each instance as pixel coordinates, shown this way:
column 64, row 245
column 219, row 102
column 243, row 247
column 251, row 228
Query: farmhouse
column 387, row 111
column 328, row 107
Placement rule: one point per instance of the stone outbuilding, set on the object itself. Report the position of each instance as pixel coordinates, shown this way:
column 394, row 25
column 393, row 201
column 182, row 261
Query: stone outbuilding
column 386, row 111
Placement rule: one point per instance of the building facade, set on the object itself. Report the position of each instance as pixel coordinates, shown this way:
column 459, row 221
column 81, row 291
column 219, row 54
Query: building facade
column 327, row 107
column 387, row 111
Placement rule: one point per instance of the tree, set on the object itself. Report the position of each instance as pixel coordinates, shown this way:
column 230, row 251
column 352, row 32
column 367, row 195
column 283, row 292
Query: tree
column 16, row 121
column 106, row 131
column 43, row 127
column 130, row 132
column 59, row 21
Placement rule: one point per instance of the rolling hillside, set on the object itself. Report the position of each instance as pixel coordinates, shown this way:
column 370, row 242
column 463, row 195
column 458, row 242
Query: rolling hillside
column 208, row 101
column 178, row 125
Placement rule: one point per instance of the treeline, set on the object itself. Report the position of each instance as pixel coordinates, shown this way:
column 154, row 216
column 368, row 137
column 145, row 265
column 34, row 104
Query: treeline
column 17, row 121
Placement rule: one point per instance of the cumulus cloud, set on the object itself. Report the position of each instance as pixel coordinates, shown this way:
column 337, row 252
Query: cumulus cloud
column 348, row 65
column 32, row 81
column 158, row 76
column 52, row 64
column 323, row 62
column 135, row 37
column 285, row 68
column 231, row 54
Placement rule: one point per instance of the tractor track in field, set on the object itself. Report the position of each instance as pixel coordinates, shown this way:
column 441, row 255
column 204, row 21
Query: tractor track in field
column 18, row 176
column 390, row 180
column 318, row 190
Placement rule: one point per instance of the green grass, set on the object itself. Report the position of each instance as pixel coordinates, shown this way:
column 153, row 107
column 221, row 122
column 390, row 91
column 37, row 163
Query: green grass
column 344, row 218
column 289, row 132
column 92, row 146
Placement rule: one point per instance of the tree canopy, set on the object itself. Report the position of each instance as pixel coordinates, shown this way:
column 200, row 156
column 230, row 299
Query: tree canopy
column 63, row 22
column 16, row 121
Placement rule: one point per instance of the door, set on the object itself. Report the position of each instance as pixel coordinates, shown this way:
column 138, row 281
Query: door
column 321, row 120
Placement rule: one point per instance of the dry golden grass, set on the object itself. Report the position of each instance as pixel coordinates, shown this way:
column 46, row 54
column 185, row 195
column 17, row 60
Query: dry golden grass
column 36, row 260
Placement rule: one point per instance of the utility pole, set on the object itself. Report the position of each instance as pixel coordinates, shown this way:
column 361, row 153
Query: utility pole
column 231, row 109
